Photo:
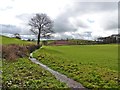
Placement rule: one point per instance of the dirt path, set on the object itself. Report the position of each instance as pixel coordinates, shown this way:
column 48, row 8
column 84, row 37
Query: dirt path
column 70, row 82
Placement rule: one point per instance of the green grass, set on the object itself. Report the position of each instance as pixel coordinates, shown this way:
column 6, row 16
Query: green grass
column 6, row 40
column 95, row 66
column 25, row 74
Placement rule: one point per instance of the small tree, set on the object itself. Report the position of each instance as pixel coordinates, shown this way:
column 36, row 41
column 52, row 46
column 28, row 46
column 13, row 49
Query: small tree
column 28, row 40
column 44, row 42
column 17, row 35
column 41, row 25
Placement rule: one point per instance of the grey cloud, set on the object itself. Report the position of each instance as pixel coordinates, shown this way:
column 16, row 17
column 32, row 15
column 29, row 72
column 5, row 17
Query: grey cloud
column 82, row 8
column 81, row 23
column 25, row 16
column 94, row 7
column 9, row 29
column 12, row 29
column 110, row 22
column 87, row 34
column 61, row 24
column 111, row 25
column 119, row 15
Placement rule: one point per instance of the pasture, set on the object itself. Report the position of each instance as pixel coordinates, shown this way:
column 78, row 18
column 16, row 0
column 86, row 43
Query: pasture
column 95, row 66
column 100, row 55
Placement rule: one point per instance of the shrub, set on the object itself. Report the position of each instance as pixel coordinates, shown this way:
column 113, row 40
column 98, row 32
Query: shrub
column 13, row 51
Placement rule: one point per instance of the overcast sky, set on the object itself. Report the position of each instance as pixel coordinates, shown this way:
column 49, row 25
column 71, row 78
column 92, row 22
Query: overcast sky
column 72, row 19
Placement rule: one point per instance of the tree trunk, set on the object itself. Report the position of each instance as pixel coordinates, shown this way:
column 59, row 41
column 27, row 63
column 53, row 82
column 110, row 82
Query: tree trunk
column 38, row 42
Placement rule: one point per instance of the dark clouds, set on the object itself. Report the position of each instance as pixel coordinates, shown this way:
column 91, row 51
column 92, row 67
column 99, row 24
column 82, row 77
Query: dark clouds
column 9, row 29
column 94, row 7
column 80, row 9
column 25, row 17
column 12, row 29
column 119, row 16
column 110, row 21
column 111, row 25
column 61, row 24
column 79, row 23
column 85, row 8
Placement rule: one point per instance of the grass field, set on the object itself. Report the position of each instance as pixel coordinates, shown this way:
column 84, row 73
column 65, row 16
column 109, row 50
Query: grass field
column 95, row 66
column 6, row 40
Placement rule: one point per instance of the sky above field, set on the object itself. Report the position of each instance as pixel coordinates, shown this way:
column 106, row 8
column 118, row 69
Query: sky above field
column 78, row 19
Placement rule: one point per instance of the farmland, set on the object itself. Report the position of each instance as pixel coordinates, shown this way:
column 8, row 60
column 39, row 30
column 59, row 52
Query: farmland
column 95, row 66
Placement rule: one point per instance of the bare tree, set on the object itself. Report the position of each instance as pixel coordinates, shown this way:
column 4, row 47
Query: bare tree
column 41, row 25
